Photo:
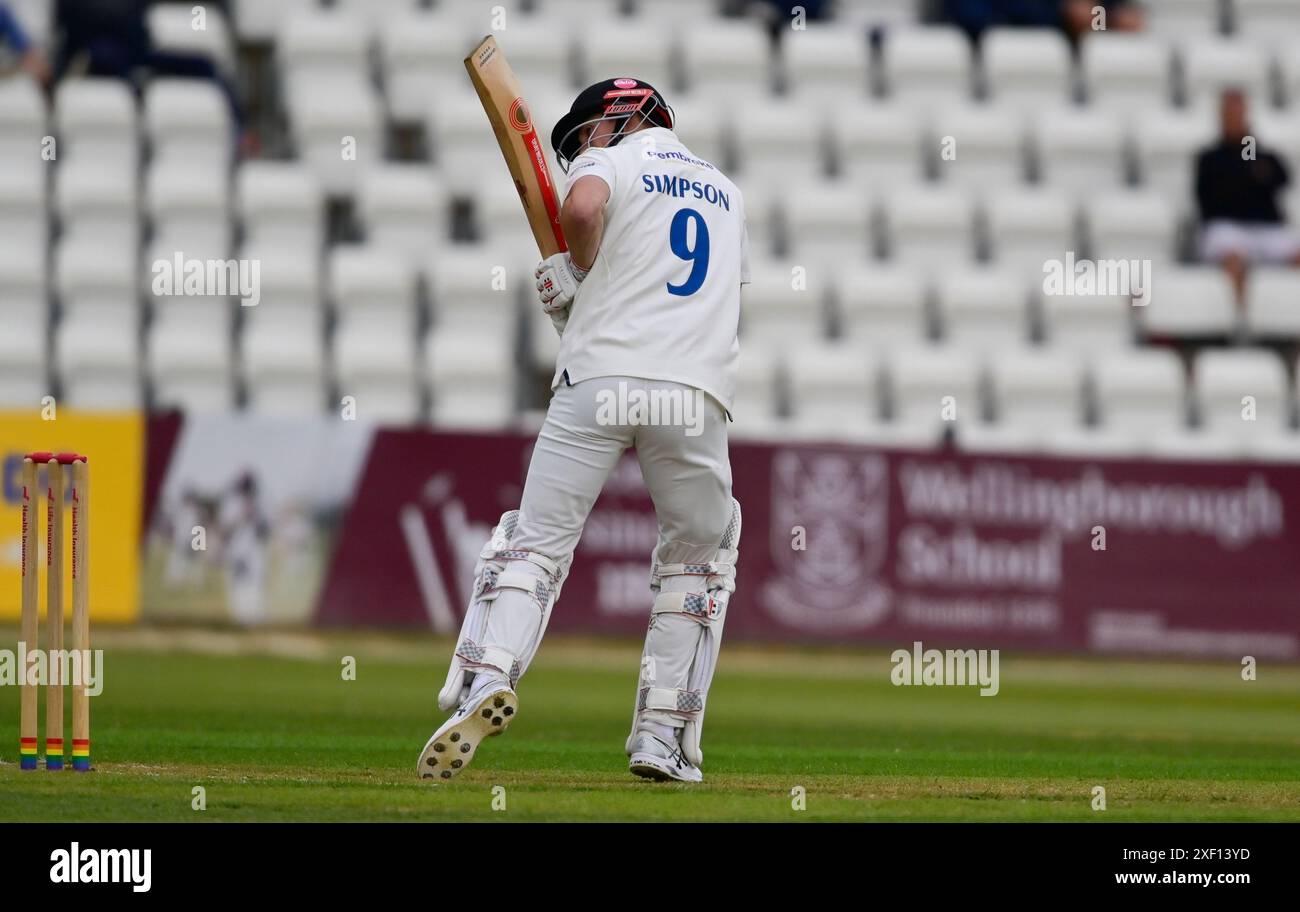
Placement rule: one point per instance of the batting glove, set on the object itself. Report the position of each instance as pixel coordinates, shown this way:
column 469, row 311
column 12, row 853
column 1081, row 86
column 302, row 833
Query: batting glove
column 557, row 281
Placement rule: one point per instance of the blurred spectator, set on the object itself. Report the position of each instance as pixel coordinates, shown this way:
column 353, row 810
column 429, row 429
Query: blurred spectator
column 111, row 38
column 1074, row 16
column 1237, row 187
column 14, row 38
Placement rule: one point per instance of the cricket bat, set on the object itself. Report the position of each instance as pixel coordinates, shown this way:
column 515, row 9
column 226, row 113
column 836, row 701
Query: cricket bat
column 512, row 122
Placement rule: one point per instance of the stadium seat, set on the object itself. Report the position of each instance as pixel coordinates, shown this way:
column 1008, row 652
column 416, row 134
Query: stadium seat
column 757, row 397
column 24, row 222
column 870, row 13
column 324, row 119
column 471, row 379
column 727, row 58
column 834, row 389
column 577, row 10
column 878, row 145
column 97, row 122
column 1222, row 379
column 1140, row 391
column 462, row 148
column 881, row 305
column 281, row 204
column 1127, row 73
column 189, row 203
column 1189, row 302
column 1080, row 151
column 283, row 367
column 1028, row 227
column 476, row 291
column 979, row 146
column 1167, row 143
column 701, row 127
column 826, row 64
column 1211, row 65
column 921, row 379
column 98, row 361
column 98, row 274
column 1266, row 23
column 375, row 364
column 930, row 67
column 205, row 306
column 652, row 12
column 188, row 120
column 291, row 283
column 90, row 197
column 1129, row 225
column 23, row 280
column 374, row 14
column 23, row 361
column 626, row 47
column 174, row 28
column 1039, row 388
column 403, row 208
column 1273, row 303
column 498, row 217
column 261, row 21
column 542, row 56
column 1088, row 322
column 1281, row 448
column 1027, row 68
column 983, row 309
column 191, row 365
column 23, row 125
column 374, row 286
column 776, row 140
column 319, row 50
column 421, row 58
column 826, row 222
column 1183, row 18
column 924, row 225
column 784, row 303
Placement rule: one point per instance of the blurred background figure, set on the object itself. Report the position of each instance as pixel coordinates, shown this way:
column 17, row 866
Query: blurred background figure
column 16, row 43
column 1238, row 184
column 1076, row 17
column 111, row 38
column 245, row 531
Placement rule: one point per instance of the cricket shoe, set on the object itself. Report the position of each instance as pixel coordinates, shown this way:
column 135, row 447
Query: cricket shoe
column 654, row 758
column 488, row 710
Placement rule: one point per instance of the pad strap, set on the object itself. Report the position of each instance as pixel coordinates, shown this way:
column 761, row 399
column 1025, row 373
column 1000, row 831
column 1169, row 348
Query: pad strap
column 491, row 656
column 700, row 605
column 669, row 699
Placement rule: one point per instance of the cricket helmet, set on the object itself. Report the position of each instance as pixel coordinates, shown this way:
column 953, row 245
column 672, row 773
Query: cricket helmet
column 611, row 99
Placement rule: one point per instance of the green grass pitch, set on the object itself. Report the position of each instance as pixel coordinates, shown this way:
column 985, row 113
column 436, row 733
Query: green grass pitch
column 268, row 727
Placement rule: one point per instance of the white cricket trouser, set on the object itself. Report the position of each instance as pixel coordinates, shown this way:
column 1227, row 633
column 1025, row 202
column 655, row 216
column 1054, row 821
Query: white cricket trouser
column 688, row 475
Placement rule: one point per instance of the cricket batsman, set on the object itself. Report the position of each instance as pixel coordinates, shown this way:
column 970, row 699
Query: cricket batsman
column 647, row 303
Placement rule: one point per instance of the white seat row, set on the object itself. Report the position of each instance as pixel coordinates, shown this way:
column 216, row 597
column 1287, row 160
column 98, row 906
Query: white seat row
column 1235, row 396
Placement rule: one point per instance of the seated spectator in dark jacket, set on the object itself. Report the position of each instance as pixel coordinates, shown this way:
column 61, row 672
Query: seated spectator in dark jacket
column 15, row 40
column 1237, row 190
column 1074, row 16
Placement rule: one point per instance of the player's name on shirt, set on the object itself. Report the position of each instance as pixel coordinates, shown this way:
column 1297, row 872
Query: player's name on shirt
column 683, row 187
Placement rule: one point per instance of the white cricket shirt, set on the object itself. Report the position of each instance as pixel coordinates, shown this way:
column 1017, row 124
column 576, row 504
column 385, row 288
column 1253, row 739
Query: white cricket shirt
column 662, row 301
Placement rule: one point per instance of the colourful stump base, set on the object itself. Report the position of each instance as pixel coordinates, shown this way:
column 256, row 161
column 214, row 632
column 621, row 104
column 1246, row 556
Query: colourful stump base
column 27, row 754
column 80, row 755
column 54, row 763
column 27, row 763
column 81, row 764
